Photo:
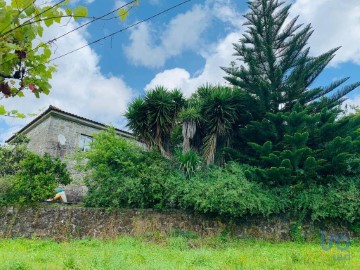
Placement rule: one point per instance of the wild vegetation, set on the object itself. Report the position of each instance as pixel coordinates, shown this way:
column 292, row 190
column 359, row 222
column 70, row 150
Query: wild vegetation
column 270, row 143
column 121, row 174
column 282, row 144
column 26, row 178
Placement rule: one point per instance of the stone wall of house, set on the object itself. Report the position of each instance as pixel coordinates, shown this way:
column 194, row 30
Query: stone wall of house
column 44, row 137
column 38, row 136
column 71, row 131
column 63, row 222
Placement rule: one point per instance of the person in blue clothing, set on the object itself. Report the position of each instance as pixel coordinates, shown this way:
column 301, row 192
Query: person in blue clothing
column 60, row 195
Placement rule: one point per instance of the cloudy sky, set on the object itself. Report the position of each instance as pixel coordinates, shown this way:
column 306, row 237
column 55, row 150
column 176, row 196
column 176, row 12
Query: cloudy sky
column 182, row 48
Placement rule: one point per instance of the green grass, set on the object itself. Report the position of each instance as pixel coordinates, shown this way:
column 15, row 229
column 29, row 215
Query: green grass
column 181, row 252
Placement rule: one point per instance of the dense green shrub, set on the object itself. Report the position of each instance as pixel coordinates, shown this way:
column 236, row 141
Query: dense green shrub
column 11, row 155
column 122, row 174
column 26, row 177
column 6, row 184
column 189, row 162
column 339, row 199
column 227, row 192
column 37, row 179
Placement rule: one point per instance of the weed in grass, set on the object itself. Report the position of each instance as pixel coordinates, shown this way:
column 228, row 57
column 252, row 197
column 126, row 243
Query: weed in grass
column 295, row 258
column 184, row 233
column 16, row 265
column 295, row 232
column 178, row 243
column 70, row 263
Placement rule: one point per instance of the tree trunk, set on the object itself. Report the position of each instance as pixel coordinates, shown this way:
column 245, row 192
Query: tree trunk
column 188, row 132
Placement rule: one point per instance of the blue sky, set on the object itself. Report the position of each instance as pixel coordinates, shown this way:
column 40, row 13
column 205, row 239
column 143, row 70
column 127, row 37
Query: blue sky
column 182, row 48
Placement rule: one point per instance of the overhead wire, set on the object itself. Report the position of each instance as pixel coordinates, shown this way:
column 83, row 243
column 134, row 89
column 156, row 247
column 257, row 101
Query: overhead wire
column 20, row 11
column 37, row 15
column 110, row 35
column 121, row 30
column 87, row 23
column 75, row 29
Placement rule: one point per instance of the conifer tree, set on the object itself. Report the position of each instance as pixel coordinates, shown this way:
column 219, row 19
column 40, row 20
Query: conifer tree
column 296, row 133
column 278, row 70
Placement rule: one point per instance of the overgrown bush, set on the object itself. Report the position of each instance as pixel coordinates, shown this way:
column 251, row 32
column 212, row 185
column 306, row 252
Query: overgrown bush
column 37, row 179
column 122, row 174
column 227, row 192
column 189, row 162
column 11, row 155
column 6, row 184
column 339, row 199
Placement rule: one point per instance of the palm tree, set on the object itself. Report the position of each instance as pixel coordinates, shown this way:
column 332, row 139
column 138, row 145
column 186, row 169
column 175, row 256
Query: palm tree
column 190, row 118
column 139, row 122
column 220, row 110
column 153, row 117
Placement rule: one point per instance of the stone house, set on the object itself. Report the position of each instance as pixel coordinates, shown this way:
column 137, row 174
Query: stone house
column 60, row 133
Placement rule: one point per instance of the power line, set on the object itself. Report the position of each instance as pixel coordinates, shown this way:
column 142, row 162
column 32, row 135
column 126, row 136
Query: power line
column 73, row 30
column 20, row 11
column 87, row 23
column 121, row 30
column 37, row 15
column 83, row 25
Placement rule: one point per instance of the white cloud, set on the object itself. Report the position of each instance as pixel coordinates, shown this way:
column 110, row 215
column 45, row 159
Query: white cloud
column 78, row 86
column 336, row 23
column 216, row 54
column 351, row 103
column 221, row 55
column 120, row 3
column 224, row 11
column 151, row 47
column 141, row 51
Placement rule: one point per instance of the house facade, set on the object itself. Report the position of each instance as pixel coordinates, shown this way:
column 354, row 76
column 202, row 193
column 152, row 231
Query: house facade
column 61, row 133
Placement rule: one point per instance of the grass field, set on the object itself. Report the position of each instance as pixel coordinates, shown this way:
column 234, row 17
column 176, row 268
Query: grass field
column 171, row 253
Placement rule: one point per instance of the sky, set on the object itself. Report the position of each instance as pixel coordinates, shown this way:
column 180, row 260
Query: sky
column 182, row 48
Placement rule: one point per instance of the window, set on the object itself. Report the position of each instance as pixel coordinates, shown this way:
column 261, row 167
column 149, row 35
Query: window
column 84, row 142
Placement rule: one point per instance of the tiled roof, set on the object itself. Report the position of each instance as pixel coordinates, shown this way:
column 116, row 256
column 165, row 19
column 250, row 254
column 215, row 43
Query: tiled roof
column 55, row 109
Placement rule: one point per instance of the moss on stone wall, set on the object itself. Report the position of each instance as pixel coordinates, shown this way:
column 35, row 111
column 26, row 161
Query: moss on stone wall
column 62, row 222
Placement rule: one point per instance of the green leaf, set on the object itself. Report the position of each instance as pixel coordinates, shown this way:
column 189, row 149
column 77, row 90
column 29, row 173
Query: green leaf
column 80, row 11
column 11, row 46
column 40, row 31
column 123, row 13
column 20, row 115
column 29, row 10
column 68, row 11
column 47, row 52
column 49, row 22
column 2, row 110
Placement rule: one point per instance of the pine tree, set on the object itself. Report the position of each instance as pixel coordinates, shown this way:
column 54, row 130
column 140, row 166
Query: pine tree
column 296, row 133
column 304, row 146
column 278, row 70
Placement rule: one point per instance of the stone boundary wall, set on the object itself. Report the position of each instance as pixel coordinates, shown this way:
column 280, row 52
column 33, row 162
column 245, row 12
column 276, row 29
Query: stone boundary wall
column 65, row 222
